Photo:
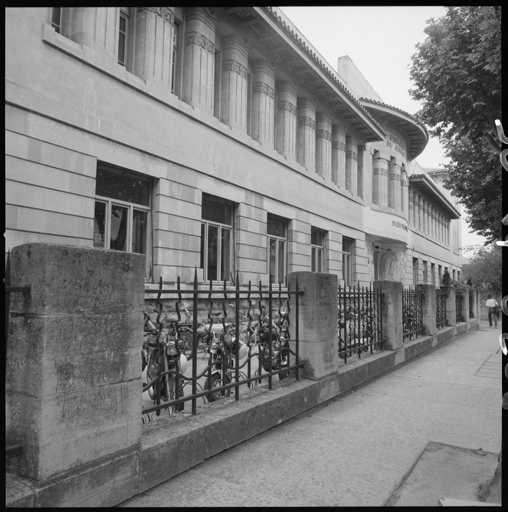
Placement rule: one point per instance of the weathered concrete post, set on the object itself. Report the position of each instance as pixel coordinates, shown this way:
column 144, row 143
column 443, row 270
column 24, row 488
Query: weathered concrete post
column 392, row 313
column 429, row 308
column 465, row 301
column 318, row 312
column 451, row 312
column 73, row 372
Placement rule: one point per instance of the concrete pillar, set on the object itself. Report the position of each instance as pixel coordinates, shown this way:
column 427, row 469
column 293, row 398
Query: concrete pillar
column 381, row 171
column 392, row 313
column 199, row 59
column 339, row 155
column 429, row 308
column 451, row 312
column 351, row 164
column 306, row 133
column 285, row 140
column 360, row 171
column 73, row 370
column 154, row 44
column 410, row 208
column 465, row 301
column 394, row 185
column 323, row 145
column 234, row 83
column 263, row 100
column 318, row 310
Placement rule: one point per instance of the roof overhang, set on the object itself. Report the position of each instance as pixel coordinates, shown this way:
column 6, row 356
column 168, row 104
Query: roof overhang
column 427, row 187
column 279, row 39
column 414, row 132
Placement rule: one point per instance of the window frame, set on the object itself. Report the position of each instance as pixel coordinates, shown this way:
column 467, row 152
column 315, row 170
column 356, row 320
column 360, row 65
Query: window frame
column 221, row 227
column 317, row 251
column 56, row 19
column 131, row 206
column 123, row 15
column 348, row 261
column 277, row 279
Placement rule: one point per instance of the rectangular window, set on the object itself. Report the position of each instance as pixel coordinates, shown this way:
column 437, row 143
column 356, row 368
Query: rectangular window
column 122, row 35
column 122, row 212
column 440, row 275
column 317, row 238
column 433, row 274
column 415, row 271
column 56, row 18
column 217, row 259
column 277, row 246
column 348, row 248
column 424, row 272
column 173, row 57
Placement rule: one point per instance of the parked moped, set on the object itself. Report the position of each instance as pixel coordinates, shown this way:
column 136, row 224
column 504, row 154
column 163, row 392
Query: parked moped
column 222, row 363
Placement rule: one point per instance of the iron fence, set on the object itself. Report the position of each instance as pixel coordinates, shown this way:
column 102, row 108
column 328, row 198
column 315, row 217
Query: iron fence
column 360, row 324
column 471, row 309
column 459, row 304
column 412, row 313
column 232, row 339
column 441, row 319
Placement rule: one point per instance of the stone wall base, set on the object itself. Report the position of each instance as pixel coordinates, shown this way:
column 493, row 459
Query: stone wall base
column 173, row 445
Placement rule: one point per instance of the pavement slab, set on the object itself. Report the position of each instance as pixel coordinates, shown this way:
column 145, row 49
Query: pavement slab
column 356, row 449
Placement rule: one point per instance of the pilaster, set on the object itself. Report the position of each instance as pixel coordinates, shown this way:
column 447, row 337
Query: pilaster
column 263, row 98
column 286, row 119
column 351, row 164
column 339, row 155
column 323, row 145
column 234, row 83
column 306, row 133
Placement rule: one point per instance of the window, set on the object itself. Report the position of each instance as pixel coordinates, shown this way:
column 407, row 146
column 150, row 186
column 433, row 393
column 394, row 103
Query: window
column 348, row 246
column 440, row 274
column 122, row 35
column 122, row 212
column 277, row 236
column 317, row 238
column 173, row 57
column 433, row 274
column 56, row 18
column 217, row 239
column 424, row 268
column 415, row 271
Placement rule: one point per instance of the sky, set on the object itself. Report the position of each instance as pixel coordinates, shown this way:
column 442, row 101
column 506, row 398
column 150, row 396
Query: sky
column 380, row 41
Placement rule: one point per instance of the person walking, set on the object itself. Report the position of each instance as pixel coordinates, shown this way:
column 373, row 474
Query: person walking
column 493, row 306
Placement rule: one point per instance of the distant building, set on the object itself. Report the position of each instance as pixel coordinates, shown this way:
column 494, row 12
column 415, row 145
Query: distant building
column 217, row 139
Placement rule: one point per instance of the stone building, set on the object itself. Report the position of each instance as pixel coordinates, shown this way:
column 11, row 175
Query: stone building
column 217, row 139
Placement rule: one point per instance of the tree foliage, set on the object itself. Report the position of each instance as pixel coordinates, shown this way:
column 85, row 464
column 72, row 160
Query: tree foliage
column 484, row 267
column 457, row 76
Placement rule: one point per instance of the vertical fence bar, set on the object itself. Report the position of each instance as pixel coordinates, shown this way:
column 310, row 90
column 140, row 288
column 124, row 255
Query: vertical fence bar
column 194, row 338
column 237, row 337
column 270, row 344
column 297, row 334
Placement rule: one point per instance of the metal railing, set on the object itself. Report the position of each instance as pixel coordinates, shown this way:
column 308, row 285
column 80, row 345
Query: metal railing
column 459, row 304
column 237, row 312
column 360, row 324
column 412, row 313
column 441, row 319
column 471, row 304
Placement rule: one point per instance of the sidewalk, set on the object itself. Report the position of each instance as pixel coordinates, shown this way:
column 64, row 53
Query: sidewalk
column 356, row 449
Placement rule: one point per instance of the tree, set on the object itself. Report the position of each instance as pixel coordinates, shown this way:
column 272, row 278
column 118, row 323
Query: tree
column 457, row 76
column 484, row 267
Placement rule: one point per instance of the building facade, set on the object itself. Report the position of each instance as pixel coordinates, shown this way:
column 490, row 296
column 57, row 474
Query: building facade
column 214, row 139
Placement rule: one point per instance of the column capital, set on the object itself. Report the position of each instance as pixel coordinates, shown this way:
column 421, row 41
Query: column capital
column 163, row 12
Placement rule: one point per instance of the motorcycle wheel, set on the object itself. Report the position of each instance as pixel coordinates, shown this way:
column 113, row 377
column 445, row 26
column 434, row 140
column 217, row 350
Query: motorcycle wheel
column 284, row 362
column 186, row 337
column 152, row 390
column 215, row 381
column 172, row 395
